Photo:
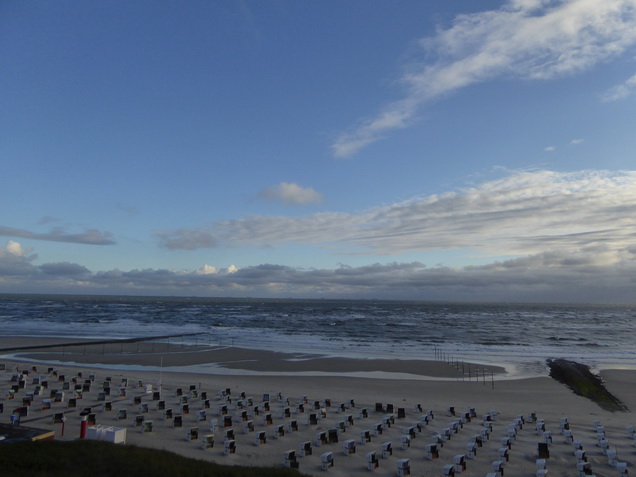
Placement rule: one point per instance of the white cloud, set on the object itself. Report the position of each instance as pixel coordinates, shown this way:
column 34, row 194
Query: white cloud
column 15, row 248
column 523, row 213
column 621, row 91
column 206, row 270
column 545, row 236
column 550, row 149
column 528, row 39
column 291, row 194
column 576, row 142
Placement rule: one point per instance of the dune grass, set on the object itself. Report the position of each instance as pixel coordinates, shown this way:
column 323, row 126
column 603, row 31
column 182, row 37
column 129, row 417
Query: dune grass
column 101, row 459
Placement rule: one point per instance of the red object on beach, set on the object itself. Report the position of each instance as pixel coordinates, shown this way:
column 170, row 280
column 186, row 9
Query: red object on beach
column 83, row 426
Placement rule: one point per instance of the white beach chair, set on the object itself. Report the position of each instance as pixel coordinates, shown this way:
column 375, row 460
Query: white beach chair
column 403, row 467
column 326, row 460
column 349, row 447
column 207, row 442
column 372, row 461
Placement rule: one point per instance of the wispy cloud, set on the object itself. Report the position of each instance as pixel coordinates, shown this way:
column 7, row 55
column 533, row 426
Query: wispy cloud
column 621, row 91
column 527, row 39
column 88, row 237
column 291, row 194
column 546, row 236
column 523, row 213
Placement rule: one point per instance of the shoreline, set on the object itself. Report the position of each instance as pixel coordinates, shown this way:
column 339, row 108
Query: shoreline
column 544, row 396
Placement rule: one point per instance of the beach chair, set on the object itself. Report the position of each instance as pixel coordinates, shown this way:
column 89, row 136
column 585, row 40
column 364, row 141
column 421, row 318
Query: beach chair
column 248, row 426
column 547, row 437
column 365, row 436
column 279, row 431
column 143, row 408
column 405, row 442
column 139, row 420
column 584, row 469
column 305, row 449
column 349, row 447
column 58, row 418
column 267, row 419
column 569, row 437
column 448, row 470
column 326, row 460
column 146, row 427
column 260, row 438
column 401, row 413
column 214, row 423
column 506, row 442
column 229, row 447
column 332, row 435
column 432, row 452
column 612, row 457
column 363, row 413
column 541, row 464
column 227, row 421
column 544, row 451
column 390, row 409
column 228, row 435
column 471, row 450
column 286, row 413
column 580, row 455
column 622, row 468
column 459, row 461
column 177, row 420
column 387, row 450
column 207, row 442
column 379, row 407
column 192, row 434
column 122, row 414
column 321, row 439
column 202, row 415
column 108, row 406
column 348, row 420
column 378, row 429
column 498, row 466
column 403, row 467
column 372, row 461
column 290, row 459
column 504, row 454
column 292, row 426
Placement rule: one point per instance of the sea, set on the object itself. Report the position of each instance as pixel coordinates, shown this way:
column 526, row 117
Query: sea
column 519, row 336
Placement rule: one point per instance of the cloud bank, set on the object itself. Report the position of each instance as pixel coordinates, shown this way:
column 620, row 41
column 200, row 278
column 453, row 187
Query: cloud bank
column 551, row 237
column 524, row 39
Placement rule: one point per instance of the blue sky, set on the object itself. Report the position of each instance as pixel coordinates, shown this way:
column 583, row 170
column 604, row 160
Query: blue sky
column 438, row 150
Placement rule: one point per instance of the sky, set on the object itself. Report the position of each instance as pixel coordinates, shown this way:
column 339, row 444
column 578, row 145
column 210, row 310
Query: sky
column 457, row 150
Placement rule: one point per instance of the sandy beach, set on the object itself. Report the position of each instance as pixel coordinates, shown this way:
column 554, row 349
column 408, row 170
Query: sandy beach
column 309, row 395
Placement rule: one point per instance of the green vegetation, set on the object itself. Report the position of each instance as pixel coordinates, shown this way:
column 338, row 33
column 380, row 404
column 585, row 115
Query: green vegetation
column 583, row 382
column 84, row 458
